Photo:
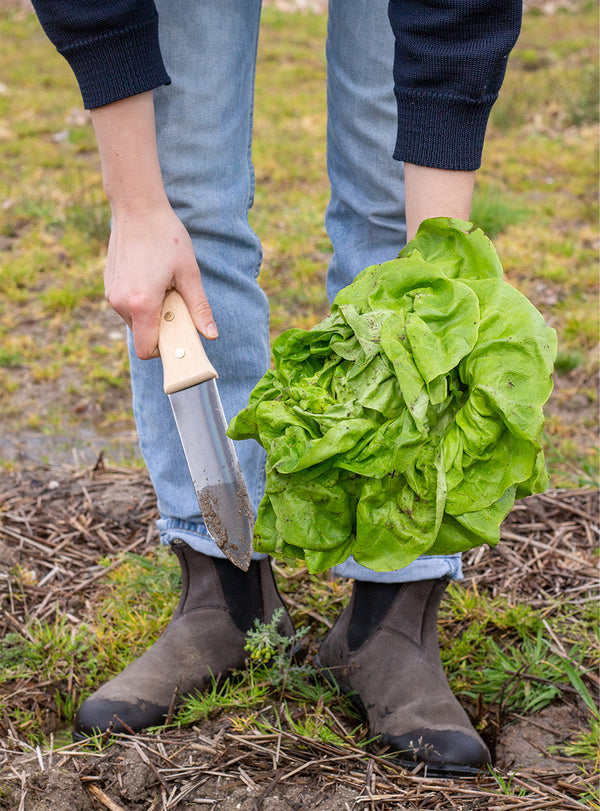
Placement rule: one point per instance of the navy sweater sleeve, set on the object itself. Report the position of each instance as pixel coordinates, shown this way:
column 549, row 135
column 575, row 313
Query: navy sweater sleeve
column 112, row 46
column 450, row 61
column 449, row 64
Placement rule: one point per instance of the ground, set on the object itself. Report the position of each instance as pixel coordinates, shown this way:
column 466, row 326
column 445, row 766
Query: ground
column 57, row 524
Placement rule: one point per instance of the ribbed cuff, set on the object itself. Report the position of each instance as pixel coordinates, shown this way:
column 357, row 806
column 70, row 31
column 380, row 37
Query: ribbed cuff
column 442, row 132
column 119, row 65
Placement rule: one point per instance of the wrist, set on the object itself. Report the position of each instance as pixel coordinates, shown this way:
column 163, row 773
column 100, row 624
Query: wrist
column 136, row 202
column 432, row 192
column 126, row 136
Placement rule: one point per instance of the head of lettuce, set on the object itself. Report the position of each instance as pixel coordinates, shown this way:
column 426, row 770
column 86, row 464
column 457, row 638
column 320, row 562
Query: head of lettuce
column 408, row 420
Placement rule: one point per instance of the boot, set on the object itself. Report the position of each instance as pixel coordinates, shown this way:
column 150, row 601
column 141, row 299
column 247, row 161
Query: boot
column 384, row 650
column 204, row 640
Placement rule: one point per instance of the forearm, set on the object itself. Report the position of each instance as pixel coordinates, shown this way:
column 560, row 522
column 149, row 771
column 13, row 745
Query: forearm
column 149, row 250
column 126, row 137
column 436, row 193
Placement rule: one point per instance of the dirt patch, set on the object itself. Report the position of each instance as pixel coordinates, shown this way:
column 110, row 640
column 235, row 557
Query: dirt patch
column 56, row 790
column 526, row 743
column 233, row 772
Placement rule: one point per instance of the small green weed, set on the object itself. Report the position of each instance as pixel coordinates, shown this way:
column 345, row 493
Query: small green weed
column 591, row 794
column 585, row 745
column 507, row 785
column 271, row 673
column 11, row 358
column 240, row 692
column 313, row 721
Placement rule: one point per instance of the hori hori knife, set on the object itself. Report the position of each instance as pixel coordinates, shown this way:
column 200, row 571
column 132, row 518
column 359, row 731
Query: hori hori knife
column 189, row 381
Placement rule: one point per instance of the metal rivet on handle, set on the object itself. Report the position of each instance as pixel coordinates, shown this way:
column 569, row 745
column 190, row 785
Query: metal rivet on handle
column 179, row 353
column 169, row 315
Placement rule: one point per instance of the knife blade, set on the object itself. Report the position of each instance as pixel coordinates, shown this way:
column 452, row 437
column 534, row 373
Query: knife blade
column 190, row 383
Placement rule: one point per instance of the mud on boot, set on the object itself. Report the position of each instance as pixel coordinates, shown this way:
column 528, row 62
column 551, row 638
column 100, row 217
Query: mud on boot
column 204, row 640
column 384, row 651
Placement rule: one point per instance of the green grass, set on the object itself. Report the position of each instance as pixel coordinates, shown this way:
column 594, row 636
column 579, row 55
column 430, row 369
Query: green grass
column 499, row 656
column 494, row 211
column 76, row 658
column 499, row 638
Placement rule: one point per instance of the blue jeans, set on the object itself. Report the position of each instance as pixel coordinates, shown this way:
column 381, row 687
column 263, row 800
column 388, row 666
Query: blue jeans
column 204, row 127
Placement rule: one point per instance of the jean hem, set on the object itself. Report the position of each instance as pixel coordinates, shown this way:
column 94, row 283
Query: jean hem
column 427, row 567
column 193, row 535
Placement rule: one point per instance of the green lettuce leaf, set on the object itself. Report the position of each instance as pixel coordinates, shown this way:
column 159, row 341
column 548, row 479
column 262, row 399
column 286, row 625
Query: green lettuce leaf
column 408, row 420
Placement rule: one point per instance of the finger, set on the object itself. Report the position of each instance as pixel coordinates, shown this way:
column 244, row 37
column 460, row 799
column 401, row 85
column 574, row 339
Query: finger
column 145, row 318
column 197, row 303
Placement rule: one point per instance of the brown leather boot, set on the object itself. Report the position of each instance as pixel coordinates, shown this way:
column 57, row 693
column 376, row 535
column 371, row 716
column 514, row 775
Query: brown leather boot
column 204, row 640
column 384, row 650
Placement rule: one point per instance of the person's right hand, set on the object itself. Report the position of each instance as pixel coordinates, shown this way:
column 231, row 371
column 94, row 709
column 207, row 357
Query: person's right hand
column 150, row 252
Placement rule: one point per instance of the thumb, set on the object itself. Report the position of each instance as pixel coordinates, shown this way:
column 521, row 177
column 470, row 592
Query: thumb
column 196, row 301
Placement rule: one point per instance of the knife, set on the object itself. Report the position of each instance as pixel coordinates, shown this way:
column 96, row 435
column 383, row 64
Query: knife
column 190, row 383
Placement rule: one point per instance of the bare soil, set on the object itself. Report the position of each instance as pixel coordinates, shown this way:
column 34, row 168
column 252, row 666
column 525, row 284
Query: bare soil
column 56, row 523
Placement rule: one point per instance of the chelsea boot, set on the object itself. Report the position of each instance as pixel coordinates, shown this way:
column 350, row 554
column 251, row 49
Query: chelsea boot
column 204, row 640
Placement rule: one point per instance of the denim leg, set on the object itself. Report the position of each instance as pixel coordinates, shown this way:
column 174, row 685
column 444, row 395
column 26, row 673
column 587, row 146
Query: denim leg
column 204, row 129
column 365, row 216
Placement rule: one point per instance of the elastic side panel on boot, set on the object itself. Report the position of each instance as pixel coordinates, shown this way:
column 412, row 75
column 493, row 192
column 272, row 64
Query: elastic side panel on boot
column 242, row 591
column 179, row 549
column 371, row 603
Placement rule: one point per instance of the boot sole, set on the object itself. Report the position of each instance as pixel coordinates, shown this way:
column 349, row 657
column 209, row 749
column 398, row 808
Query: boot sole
column 421, row 768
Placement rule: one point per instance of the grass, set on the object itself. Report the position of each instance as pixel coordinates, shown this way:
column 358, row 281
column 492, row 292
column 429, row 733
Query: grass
column 494, row 210
column 496, row 654
column 536, row 197
column 501, row 654
column 77, row 657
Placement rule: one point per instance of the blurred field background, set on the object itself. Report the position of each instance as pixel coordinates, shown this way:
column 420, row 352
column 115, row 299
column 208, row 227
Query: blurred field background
column 63, row 365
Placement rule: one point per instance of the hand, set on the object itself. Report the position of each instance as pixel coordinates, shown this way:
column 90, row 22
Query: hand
column 149, row 253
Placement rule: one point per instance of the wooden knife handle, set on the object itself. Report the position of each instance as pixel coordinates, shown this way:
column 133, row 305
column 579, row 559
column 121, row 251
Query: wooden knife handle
column 183, row 357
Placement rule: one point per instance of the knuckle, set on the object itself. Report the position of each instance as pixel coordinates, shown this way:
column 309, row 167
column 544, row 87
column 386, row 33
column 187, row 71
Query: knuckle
column 202, row 309
column 139, row 303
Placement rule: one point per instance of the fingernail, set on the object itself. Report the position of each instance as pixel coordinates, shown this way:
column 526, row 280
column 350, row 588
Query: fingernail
column 212, row 331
